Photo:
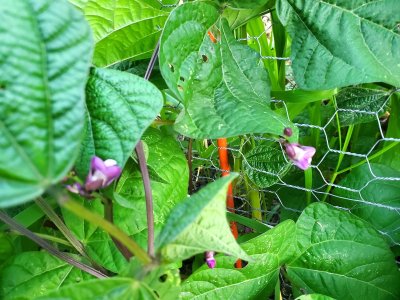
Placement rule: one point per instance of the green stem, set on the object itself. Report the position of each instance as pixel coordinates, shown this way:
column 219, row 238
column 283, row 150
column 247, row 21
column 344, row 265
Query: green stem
column 114, row 231
column 254, row 197
column 373, row 156
column 308, row 180
column 46, row 237
column 339, row 162
column 51, row 214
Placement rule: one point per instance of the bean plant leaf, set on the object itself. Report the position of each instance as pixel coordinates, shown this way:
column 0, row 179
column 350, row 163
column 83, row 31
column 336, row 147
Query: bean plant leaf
column 122, row 29
column 199, row 224
column 244, row 4
column 110, row 289
column 120, row 106
column 222, row 84
column 360, row 105
column 238, row 17
column 32, row 274
column 256, row 280
column 314, row 297
column 45, row 53
column 165, row 157
column 373, row 199
column 265, row 165
column 98, row 243
column 338, row 43
column 342, row 256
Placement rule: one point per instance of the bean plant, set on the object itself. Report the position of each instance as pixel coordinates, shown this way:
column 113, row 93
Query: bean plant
column 104, row 106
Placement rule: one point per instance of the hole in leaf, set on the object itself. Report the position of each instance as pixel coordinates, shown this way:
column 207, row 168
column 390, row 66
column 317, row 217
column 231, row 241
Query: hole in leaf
column 182, row 79
column 244, row 264
column 180, row 88
column 205, row 58
column 156, row 293
column 163, row 278
column 171, row 68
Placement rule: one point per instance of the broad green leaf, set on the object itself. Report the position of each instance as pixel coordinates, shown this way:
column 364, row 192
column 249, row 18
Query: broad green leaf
column 123, row 29
column 110, row 289
column 314, row 297
column 256, row 280
column 45, row 52
column 341, row 256
column 265, row 165
column 223, row 86
column 338, row 43
column 199, row 224
column 372, row 199
column 120, row 106
column 31, row 274
column 243, row 4
column 360, row 105
column 167, row 159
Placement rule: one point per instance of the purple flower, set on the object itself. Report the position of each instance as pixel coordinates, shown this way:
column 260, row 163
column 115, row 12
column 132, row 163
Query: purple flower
column 210, row 260
column 101, row 173
column 300, row 155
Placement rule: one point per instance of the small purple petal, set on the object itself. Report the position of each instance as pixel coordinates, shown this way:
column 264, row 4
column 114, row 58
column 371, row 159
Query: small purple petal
column 101, row 174
column 211, row 263
column 75, row 188
column 300, row 155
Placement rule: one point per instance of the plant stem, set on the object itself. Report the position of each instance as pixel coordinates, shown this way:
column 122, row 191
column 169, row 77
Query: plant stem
column 308, row 178
column 145, row 172
column 373, row 156
column 51, row 214
column 340, row 159
column 149, row 198
column 46, row 237
column 254, row 197
column 114, row 231
column 109, row 216
column 48, row 247
column 189, row 159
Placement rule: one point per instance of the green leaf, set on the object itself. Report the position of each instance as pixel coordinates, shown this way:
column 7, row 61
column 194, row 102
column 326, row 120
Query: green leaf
column 199, row 224
column 238, row 17
column 6, row 247
column 373, row 199
column 167, row 159
column 341, row 256
column 223, row 85
column 256, row 280
column 45, row 53
column 314, row 297
column 360, row 105
column 98, row 244
column 243, row 4
column 300, row 96
column 110, row 289
column 122, row 29
column 120, row 106
column 31, row 274
column 338, row 43
column 265, row 165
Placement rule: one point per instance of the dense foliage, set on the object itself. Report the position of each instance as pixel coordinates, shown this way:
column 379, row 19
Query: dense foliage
column 96, row 168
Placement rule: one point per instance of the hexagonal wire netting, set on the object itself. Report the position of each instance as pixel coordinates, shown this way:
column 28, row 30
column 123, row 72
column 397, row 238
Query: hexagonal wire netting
column 289, row 193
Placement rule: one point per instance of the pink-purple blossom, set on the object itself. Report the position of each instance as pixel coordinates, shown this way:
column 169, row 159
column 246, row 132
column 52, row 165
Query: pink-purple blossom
column 210, row 260
column 300, row 155
column 101, row 173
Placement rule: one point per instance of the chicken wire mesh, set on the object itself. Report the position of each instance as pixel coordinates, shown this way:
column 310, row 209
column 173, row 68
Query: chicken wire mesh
column 340, row 152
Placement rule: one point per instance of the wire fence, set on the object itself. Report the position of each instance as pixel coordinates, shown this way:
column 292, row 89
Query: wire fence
column 289, row 194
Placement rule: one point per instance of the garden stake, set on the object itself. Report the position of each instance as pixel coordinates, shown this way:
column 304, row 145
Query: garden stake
column 224, row 164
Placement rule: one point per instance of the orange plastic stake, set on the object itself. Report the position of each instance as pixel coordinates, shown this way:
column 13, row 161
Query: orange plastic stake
column 224, row 164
